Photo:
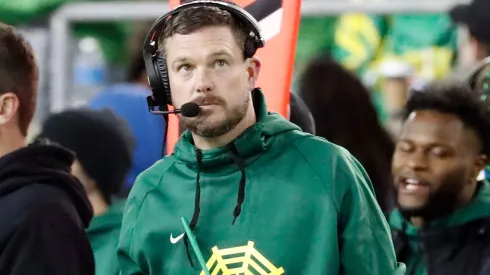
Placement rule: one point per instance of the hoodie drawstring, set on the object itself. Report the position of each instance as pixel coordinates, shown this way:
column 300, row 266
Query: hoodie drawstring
column 240, row 199
column 243, row 179
column 197, row 202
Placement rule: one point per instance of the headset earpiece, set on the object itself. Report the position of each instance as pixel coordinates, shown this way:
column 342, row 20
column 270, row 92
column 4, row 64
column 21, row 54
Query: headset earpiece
column 250, row 47
column 161, row 65
column 158, row 97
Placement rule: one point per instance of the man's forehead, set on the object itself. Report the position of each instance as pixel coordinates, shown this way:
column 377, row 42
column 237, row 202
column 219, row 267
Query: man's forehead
column 432, row 125
column 183, row 55
column 203, row 35
column 201, row 48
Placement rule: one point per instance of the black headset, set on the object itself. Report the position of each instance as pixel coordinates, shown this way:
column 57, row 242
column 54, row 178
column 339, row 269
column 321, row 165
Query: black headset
column 156, row 65
column 479, row 80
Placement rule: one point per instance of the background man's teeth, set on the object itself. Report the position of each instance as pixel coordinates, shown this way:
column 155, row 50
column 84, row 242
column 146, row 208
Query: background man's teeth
column 410, row 187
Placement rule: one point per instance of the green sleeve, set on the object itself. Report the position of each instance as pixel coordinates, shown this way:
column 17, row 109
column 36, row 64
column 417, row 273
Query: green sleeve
column 364, row 236
column 125, row 251
column 131, row 250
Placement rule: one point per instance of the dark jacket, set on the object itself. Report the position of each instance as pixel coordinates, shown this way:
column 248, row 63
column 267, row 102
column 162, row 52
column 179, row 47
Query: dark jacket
column 44, row 211
column 457, row 244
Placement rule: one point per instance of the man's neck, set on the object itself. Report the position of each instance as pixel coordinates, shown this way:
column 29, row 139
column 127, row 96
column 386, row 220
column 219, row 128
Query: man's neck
column 417, row 221
column 98, row 204
column 210, row 143
column 10, row 143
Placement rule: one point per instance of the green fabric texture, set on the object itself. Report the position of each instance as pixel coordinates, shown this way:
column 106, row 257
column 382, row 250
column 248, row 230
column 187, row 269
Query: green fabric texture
column 103, row 233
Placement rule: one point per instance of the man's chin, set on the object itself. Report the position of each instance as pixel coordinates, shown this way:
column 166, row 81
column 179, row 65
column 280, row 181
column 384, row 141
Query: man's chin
column 210, row 128
column 412, row 211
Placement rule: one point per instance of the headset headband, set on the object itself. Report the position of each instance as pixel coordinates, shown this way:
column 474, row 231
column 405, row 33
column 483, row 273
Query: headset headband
column 151, row 41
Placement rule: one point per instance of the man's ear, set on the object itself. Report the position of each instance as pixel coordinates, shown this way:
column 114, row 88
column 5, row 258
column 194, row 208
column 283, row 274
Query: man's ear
column 253, row 71
column 480, row 164
column 9, row 104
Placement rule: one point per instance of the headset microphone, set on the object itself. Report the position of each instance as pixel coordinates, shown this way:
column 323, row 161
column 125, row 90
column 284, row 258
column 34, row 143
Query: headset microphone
column 189, row 109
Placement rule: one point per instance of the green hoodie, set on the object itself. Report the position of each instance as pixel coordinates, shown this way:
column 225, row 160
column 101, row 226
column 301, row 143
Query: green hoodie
column 308, row 208
column 103, row 234
column 477, row 209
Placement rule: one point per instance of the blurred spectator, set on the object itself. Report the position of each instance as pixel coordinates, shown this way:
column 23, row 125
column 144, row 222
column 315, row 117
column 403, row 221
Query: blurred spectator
column 137, row 71
column 479, row 82
column 104, row 146
column 128, row 100
column 442, row 221
column 474, row 37
column 44, row 210
column 300, row 115
column 344, row 114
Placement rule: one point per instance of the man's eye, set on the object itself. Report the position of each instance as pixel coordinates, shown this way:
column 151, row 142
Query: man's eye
column 184, row 68
column 220, row 63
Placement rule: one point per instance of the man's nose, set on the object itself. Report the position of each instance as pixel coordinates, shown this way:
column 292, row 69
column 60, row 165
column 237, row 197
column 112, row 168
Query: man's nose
column 417, row 161
column 204, row 83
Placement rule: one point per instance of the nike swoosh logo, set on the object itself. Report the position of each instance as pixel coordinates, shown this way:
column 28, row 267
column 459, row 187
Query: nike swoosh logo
column 176, row 240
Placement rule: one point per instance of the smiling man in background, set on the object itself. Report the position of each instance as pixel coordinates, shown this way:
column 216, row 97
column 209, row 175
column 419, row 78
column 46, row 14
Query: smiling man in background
column 442, row 223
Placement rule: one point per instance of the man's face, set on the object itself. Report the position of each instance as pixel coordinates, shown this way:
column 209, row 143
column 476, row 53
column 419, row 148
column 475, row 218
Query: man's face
column 435, row 164
column 207, row 67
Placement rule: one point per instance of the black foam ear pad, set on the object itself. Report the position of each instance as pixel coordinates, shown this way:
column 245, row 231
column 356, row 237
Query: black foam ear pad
column 161, row 65
column 249, row 48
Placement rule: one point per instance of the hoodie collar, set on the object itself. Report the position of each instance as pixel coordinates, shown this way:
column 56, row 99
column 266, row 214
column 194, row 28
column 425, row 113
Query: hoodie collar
column 108, row 221
column 249, row 144
column 44, row 163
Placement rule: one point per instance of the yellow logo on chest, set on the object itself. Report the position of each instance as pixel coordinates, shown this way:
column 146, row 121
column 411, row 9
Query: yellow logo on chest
column 242, row 260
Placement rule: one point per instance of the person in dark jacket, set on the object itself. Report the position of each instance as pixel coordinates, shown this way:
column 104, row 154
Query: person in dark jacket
column 442, row 221
column 44, row 210
column 104, row 145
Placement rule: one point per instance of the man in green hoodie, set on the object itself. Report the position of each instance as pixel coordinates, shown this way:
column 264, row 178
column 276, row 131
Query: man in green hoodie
column 262, row 196
column 104, row 147
column 442, row 222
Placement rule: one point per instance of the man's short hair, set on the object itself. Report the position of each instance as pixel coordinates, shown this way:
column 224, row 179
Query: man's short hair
column 457, row 99
column 18, row 73
column 196, row 18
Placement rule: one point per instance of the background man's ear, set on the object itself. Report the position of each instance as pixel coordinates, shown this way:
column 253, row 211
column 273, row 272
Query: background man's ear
column 9, row 104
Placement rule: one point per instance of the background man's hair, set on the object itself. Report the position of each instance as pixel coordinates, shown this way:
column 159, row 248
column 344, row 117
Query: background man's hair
column 18, row 73
column 137, row 68
column 454, row 98
column 196, row 18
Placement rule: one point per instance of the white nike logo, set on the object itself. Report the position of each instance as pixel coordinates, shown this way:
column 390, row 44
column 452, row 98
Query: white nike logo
column 176, row 240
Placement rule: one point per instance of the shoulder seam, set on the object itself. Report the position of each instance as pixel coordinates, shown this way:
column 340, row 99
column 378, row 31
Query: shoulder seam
column 140, row 204
column 317, row 174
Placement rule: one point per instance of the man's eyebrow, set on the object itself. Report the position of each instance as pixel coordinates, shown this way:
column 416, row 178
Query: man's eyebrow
column 220, row 53
column 180, row 60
